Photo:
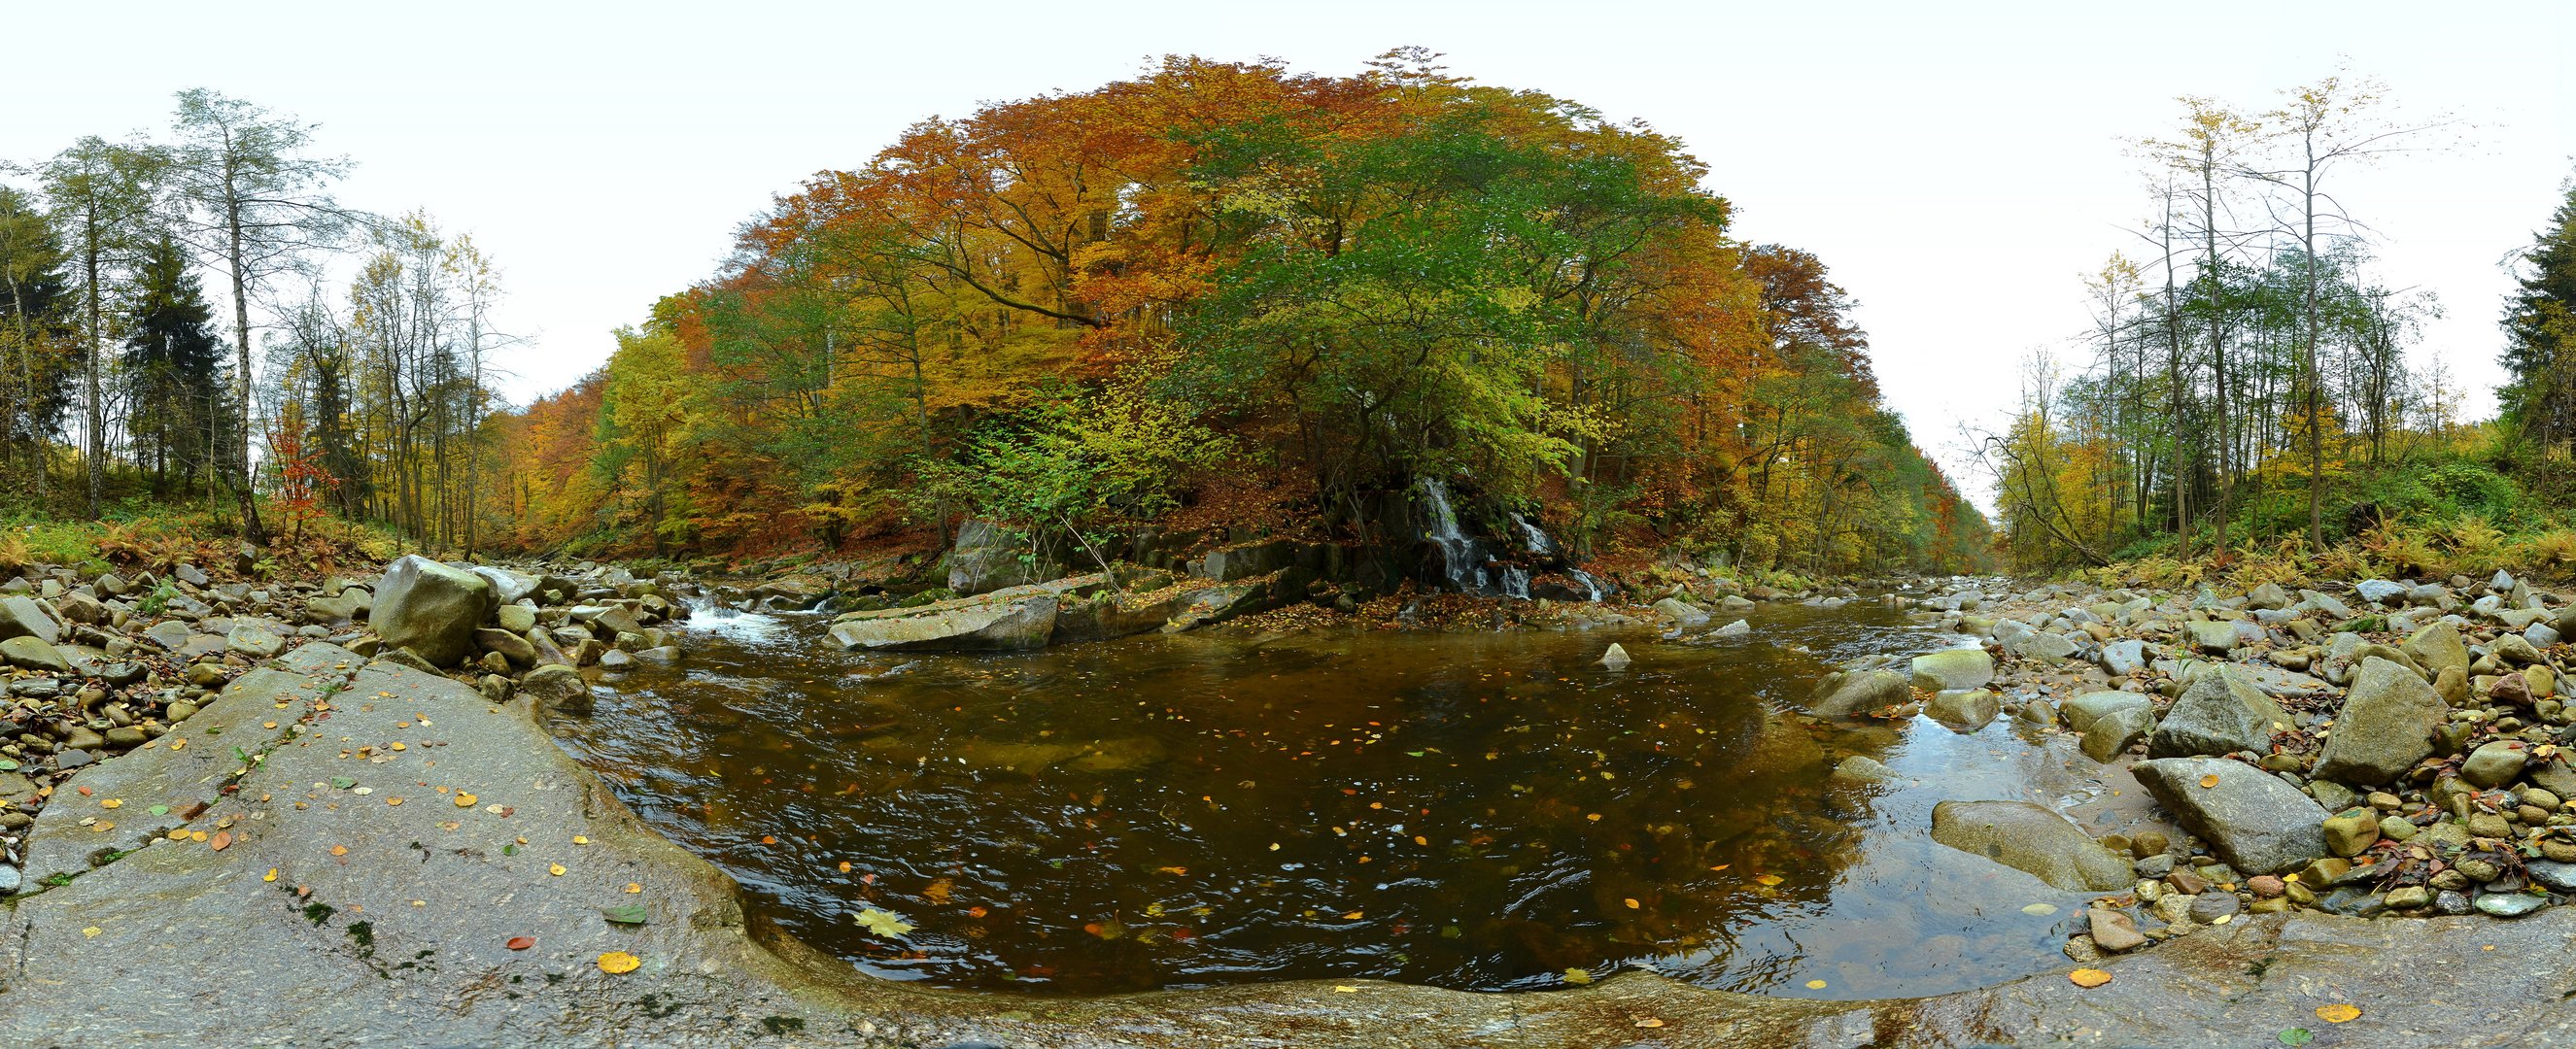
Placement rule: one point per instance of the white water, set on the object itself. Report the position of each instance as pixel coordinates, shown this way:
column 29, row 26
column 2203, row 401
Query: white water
column 748, row 628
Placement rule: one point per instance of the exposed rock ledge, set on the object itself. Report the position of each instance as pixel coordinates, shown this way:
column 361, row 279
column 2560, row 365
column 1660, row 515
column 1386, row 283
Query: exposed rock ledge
column 402, row 939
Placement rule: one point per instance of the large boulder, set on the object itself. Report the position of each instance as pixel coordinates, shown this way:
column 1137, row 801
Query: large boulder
column 989, row 557
column 980, row 625
column 21, row 616
column 2032, row 839
column 507, row 586
column 2214, row 636
column 2125, row 657
column 2218, row 714
column 32, row 654
column 2085, row 709
column 1853, row 692
column 2256, row 821
column 1953, row 668
column 2436, row 648
column 2107, row 736
column 2386, row 726
column 1682, row 612
column 430, row 609
column 1964, row 709
column 557, row 688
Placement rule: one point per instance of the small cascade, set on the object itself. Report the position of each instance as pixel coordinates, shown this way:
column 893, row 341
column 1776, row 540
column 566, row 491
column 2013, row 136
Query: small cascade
column 1462, row 558
column 1592, row 588
column 708, row 615
column 1533, row 537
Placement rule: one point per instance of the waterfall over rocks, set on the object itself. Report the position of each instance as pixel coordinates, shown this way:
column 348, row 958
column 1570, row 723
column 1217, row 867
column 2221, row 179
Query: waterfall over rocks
column 1474, row 565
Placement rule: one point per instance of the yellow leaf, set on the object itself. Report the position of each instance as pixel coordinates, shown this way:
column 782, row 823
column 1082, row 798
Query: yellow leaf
column 2089, row 977
column 1578, row 976
column 339, row 850
column 1767, row 879
column 1650, row 1022
column 92, row 931
column 270, row 876
column 110, row 803
column 1815, row 985
column 618, row 962
column 1343, row 988
column 555, row 869
column 580, row 840
column 2209, row 781
column 634, row 886
column 2338, row 1013
column 465, row 801
column 1631, row 902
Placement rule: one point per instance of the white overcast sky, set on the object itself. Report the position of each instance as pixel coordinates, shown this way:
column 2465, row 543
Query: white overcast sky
column 1957, row 165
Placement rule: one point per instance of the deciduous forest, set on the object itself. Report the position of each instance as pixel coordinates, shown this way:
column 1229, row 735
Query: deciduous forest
column 1219, row 294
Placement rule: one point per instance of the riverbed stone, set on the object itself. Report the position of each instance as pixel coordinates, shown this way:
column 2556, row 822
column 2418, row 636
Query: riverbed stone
column 2218, row 714
column 429, row 608
column 2083, row 710
column 1953, row 668
column 1861, row 768
column 2495, row 764
column 2125, row 657
column 2351, row 831
column 2216, row 637
column 1682, row 612
column 2032, row 839
column 1964, row 709
column 2437, row 648
column 559, row 688
column 33, row 654
column 1010, row 625
column 2112, row 931
column 1852, row 692
column 253, row 642
column 2386, row 726
column 2254, row 821
column 2112, row 734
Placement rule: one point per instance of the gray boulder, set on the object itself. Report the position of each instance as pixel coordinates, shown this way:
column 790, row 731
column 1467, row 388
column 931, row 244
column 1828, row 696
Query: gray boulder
column 507, row 586
column 2031, row 839
column 2123, row 658
column 2214, row 636
column 1861, row 768
column 557, row 688
column 977, row 625
column 2110, row 735
column 2386, row 726
column 1964, row 709
column 21, row 616
column 254, row 642
column 989, row 557
column 1953, row 668
column 2046, row 647
column 1682, row 612
column 1854, row 692
column 2255, row 821
column 2218, row 714
column 2083, row 710
column 33, row 654
column 2495, row 764
column 2379, row 591
column 2436, row 648
column 430, row 609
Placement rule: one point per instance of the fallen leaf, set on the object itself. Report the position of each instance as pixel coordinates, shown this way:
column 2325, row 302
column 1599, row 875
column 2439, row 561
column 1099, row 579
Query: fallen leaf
column 521, row 943
column 92, row 931
column 1767, row 879
column 2209, row 781
column 2338, row 1013
column 882, row 923
column 630, row 914
column 579, row 840
column 938, row 891
column 555, row 869
column 1815, row 985
column 2089, row 977
column 618, row 962
column 223, row 840
column 1650, row 1022
column 2295, row 1037
column 1631, row 901
column 110, row 803
column 465, row 801
column 1578, row 976
column 634, row 886
column 160, row 810
column 1343, row 988
column 339, row 850
column 271, row 876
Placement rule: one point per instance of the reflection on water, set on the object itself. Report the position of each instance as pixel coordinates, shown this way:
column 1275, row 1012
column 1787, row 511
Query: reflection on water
column 1469, row 810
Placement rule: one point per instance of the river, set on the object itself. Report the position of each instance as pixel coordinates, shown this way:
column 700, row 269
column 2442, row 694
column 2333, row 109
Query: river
column 1473, row 810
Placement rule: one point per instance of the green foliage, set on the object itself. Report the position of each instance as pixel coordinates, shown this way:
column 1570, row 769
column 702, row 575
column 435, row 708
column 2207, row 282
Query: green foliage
column 1072, row 460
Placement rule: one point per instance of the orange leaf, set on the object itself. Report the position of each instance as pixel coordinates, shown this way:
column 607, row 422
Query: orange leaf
column 223, row 840
column 2089, row 977
column 2209, row 781
column 2338, row 1013
column 521, row 943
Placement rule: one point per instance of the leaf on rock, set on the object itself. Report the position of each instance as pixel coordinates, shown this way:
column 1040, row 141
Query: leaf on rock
column 882, row 923
column 619, row 962
column 2338, row 1013
column 2209, row 781
column 223, row 840
column 631, row 914
column 2294, row 1037
column 521, row 943
column 2089, row 977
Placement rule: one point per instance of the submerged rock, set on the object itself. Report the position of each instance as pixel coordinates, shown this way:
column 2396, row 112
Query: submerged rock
column 1964, row 710
column 2032, row 839
column 1953, row 668
column 1852, row 692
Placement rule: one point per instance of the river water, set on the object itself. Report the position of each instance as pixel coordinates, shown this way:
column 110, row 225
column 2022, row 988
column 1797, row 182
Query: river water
column 1473, row 810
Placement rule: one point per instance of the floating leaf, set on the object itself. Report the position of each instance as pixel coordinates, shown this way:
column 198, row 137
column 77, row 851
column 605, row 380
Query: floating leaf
column 2040, row 910
column 938, row 891
column 2089, row 977
column 631, row 914
column 619, row 962
column 1815, row 985
column 882, row 923
column 2338, row 1013
column 1767, row 880
column 1631, row 901
column 521, row 943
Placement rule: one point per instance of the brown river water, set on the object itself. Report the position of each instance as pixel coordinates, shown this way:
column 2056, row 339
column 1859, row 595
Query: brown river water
column 1485, row 811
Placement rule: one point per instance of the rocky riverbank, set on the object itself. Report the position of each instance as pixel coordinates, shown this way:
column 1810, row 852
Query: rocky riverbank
column 299, row 843
column 2381, row 748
